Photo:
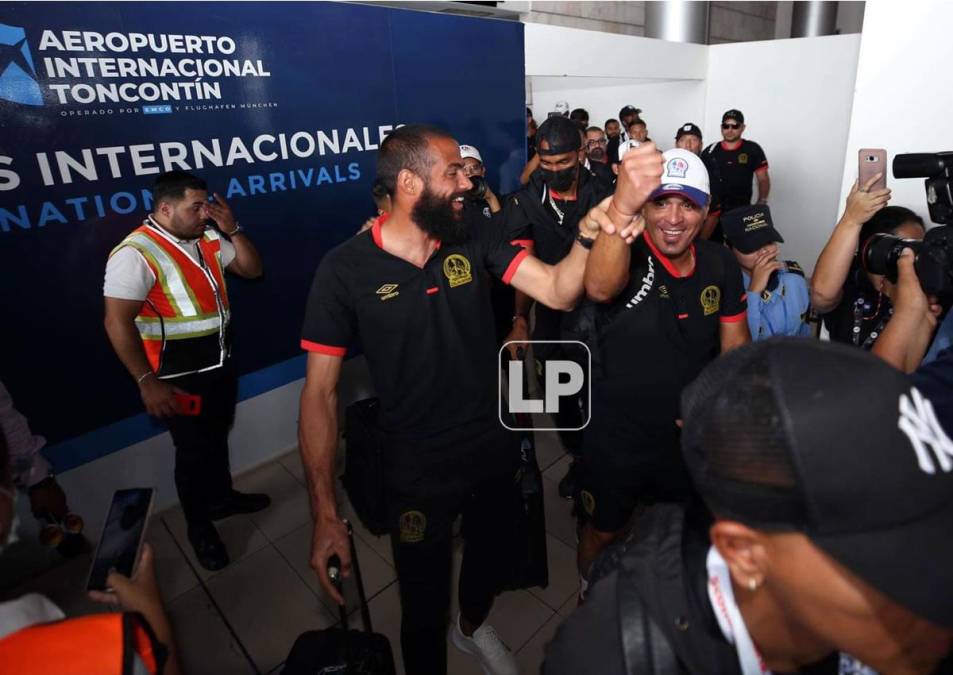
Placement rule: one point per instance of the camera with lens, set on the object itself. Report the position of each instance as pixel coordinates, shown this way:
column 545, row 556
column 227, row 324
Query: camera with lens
column 478, row 191
column 934, row 255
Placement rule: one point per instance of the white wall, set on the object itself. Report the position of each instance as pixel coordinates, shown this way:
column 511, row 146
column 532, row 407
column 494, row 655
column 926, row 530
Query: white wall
column 665, row 105
column 796, row 96
column 601, row 72
column 903, row 100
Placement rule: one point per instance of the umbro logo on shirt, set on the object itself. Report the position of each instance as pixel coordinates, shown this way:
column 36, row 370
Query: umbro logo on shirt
column 388, row 291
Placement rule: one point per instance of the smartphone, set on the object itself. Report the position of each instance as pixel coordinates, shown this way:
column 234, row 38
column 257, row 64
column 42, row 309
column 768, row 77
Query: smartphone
column 121, row 542
column 189, row 404
column 871, row 162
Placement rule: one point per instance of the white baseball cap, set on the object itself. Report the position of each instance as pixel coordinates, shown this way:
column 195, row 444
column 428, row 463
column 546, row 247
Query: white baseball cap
column 470, row 151
column 685, row 175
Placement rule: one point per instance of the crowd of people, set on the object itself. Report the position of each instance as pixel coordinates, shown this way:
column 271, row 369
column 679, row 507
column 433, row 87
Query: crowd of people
column 746, row 508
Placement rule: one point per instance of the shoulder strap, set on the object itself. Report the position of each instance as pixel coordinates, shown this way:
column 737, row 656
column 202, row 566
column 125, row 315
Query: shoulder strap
column 794, row 267
column 644, row 648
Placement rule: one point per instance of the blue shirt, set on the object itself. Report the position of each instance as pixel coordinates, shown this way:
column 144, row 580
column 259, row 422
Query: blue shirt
column 782, row 311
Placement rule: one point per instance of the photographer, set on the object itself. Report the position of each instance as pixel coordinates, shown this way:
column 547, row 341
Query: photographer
column 856, row 304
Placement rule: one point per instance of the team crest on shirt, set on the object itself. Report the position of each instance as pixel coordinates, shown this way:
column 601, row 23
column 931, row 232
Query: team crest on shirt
column 457, row 269
column 677, row 167
column 743, row 158
column 413, row 524
column 711, row 299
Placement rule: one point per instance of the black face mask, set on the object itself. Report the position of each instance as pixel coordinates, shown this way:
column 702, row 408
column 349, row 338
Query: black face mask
column 436, row 216
column 560, row 180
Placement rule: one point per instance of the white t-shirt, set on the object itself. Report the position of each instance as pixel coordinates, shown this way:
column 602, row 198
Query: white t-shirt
column 129, row 277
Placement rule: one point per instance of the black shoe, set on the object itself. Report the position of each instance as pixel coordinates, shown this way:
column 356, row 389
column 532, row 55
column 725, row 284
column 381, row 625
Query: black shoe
column 569, row 483
column 239, row 502
column 208, row 547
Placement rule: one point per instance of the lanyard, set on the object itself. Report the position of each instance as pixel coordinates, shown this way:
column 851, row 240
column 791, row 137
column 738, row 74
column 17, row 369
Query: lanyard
column 729, row 617
column 549, row 195
column 733, row 627
column 858, row 312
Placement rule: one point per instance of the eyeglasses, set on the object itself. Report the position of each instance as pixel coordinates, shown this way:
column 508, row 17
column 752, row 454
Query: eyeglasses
column 730, row 126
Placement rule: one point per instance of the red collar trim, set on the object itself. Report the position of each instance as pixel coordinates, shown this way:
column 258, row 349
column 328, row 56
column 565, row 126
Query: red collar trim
column 376, row 229
column 556, row 195
column 378, row 236
column 725, row 145
column 666, row 262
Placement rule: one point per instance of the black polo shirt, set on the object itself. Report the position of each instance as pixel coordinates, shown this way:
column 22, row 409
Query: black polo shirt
column 735, row 170
column 657, row 335
column 427, row 333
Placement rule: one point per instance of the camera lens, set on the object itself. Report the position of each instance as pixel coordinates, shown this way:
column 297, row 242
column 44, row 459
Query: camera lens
column 882, row 251
column 478, row 191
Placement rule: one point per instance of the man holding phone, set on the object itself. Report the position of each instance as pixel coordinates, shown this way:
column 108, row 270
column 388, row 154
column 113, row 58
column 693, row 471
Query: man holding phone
column 167, row 317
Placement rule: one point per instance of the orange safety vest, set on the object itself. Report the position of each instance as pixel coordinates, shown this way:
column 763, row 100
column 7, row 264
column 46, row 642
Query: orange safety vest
column 184, row 320
column 99, row 644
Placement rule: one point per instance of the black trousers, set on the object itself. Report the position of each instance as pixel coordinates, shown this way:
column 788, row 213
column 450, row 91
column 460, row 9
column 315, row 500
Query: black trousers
column 202, row 474
column 469, row 471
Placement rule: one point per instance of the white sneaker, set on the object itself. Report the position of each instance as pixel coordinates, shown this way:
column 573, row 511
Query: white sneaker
column 486, row 645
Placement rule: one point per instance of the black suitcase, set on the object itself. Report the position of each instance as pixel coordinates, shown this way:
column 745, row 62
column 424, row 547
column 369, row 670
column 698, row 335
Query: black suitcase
column 530, row 563
column 339, row 650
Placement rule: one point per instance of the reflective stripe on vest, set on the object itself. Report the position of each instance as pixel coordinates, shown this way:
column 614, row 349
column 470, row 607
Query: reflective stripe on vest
column 187, row 301
column 104, row 644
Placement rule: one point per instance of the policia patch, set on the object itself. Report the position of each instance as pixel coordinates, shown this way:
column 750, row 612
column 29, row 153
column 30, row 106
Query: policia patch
column 413, row 524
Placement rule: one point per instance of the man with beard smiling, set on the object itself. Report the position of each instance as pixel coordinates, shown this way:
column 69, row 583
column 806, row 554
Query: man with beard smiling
column 544, row 216
column 410, row 290
column 670, row 304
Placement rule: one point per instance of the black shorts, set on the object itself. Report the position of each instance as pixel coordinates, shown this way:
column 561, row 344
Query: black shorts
column 622, row 470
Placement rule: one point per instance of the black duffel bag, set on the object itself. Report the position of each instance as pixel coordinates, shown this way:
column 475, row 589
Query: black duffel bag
column 363, row 477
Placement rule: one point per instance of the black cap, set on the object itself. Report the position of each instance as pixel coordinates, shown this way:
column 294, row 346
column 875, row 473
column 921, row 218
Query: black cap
column 688, row 129
column 748, row 228
column 561, row 133
column 733, row 114
column 628, row 110
column 794, row 434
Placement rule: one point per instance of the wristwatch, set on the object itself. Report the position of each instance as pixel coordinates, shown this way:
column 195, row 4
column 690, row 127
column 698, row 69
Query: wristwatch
column 586, row 242
column 238, row 228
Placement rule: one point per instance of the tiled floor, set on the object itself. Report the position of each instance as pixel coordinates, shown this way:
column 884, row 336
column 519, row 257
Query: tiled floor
column 244, row 619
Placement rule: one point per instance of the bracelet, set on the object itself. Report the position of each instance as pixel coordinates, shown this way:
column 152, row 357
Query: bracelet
column 616, row 209
column 238, row 228
column 518, row 316
column 144, row 376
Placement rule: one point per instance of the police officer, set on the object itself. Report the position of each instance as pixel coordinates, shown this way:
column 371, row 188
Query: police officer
column 778, row 302
column 670, row 303
column 544, row 216
column 166, row 280
column 410, row 291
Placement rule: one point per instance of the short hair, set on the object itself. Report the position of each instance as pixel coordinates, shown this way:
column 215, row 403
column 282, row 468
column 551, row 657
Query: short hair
column 886, row 220
column 637, row 121
column 611, row 120
column 579, row 114
column 171, row 186
column 599, row 129
column 559, row 132
column 407, row 148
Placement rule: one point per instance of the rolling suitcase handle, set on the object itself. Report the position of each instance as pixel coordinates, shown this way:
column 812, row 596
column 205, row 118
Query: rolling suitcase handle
column 334, row 573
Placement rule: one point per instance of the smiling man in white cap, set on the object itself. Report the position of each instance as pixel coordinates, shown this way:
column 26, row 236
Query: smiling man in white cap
column 670, row 303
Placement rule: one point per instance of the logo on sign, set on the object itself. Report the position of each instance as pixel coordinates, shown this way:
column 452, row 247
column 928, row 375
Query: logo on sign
column 563, row 384
column 17, row 73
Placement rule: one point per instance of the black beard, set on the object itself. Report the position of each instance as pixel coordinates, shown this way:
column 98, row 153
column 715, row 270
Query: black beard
column 436, row 216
